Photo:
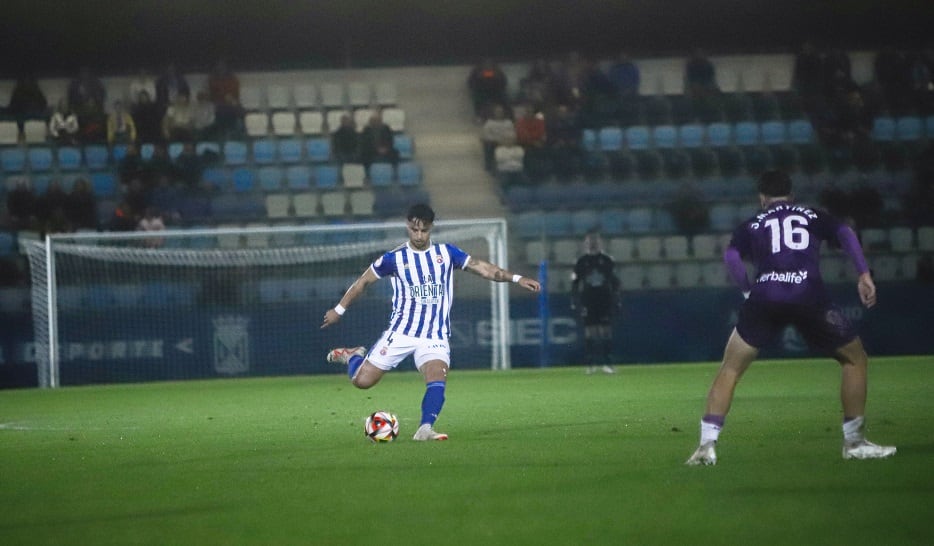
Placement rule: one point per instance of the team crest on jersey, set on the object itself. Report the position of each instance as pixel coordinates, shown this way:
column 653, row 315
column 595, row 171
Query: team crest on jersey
column 440, row 259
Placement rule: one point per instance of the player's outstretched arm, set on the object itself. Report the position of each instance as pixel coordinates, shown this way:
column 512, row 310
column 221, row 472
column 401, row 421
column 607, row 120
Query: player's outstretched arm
column 496, row 273
column 359, row 286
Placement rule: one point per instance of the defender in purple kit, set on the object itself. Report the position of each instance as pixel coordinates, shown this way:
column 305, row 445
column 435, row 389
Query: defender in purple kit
column 783, row 242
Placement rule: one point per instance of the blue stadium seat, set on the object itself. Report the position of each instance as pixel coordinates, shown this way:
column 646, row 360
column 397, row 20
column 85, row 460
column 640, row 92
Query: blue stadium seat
column 409, row 173
column 612, row 222
column 640, row 219
column 800, row 131
column 235, row 152
column 96, row 156
column 883, row 129
column 327, row 176
column 610, row 139
column 746, row 133
column 929, row 127
column 637, row 137
column 531, row 224
column 13, row 160
column 174, row 149
column 7, row 243
column 589, row 140
column 298, row 177
column 583, row 221
column 69, row 158
column 773, row 132
column 557, row 223
column 719, row 134
column 264, row 151
column 207, row 147
column 215, row 177
column 118, row 151
column 104, row 184
column 404, row 144
column 146, row 151
column 290, row 150
column 270, row 178
column 319, row 149
column 691, row 135
column 909, row 128
column 244, row 180
column 40, row 159
column 665, row 136
column 381, row 174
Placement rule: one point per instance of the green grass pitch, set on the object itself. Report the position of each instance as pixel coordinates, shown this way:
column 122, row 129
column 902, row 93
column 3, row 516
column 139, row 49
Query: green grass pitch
column 536, row 456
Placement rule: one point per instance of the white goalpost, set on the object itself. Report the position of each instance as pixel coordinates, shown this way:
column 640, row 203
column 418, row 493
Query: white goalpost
column 199, row 303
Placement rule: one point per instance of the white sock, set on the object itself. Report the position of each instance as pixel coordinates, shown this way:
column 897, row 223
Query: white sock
column 709, row 432
column 853, row 430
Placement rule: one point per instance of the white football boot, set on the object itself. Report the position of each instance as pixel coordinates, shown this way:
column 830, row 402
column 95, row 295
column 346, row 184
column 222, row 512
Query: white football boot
column 342, row 355
column 864, row 449
column 705, row 454
column 425, row 434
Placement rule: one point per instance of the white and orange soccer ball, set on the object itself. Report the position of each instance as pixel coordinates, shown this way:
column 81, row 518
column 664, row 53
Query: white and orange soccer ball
column 381, row 426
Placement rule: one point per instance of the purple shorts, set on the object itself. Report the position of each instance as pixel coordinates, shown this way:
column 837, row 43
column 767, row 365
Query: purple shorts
column 824, row 327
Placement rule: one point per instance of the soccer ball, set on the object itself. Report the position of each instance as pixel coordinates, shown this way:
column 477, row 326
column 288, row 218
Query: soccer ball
column 381, row 426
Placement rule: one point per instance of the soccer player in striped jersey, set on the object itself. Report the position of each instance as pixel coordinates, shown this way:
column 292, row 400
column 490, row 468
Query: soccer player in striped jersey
column 783, row 242
column 419, row 325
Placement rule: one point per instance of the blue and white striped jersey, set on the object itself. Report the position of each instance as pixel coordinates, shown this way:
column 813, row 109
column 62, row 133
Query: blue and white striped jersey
column 422, row 288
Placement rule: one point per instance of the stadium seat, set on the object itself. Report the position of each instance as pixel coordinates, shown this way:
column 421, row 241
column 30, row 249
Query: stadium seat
column 665, row 136
column 609, row 139
column 311, row 122
column 926, row 238
column 362, row 202
column 719, row 134
column 909, row 128
column 104, row 184
column 298, row 177
column 264, row 151
column 244, row 180
column 395, row 119
column 118, row 152
column 773, row 132
column 318, row 149
column 326, row 177
column 174, row 150
column 649, row 248
column 901, row 239
column 640, row 219
column 409, row 173
column 289, row 150
column 883, row 129
column 381, row 174
column 612, row 221
column 270, row 178
column 687, row 274
column 9, row 133
column 332, row 95
column 723, row 216
column 251, row 98
column 385, row 93
column 659, row 276
column 404, row 145
column 621, row 249
column 353, row 175
column 283, row 123
column 583, row 221
column 216, row 177
column 13, row 160
column 333, row 203
column 691, row 135
column 565, row 251
column 536, row 252
column 305, row 204
column 256, row 239
column 637, row 137
column 713, row 274
column 40, row 159
column 361, row 117
column 675, row 247
column 530, row 225
column 746, row 133
column 800, row 131
column 96, row 156
column 235, row 152
column 278, row 97
column 359, row 94
column 256, row 124
column 69, row 158
column 305, row 96
column 631, row 277
column 589, row 140
column 35, row 131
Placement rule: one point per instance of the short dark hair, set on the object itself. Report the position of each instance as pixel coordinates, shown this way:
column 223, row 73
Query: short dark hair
column 774, row 184
column 421, row 211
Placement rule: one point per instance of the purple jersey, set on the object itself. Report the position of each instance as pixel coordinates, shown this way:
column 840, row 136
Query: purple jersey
column 783, row 243
column 422, row 287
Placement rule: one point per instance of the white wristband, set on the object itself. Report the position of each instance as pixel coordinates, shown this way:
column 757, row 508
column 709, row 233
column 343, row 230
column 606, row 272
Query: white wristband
column 339, row 309
column 515, row 278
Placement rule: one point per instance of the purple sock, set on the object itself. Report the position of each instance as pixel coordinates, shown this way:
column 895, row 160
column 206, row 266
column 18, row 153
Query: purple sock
column 712, row 419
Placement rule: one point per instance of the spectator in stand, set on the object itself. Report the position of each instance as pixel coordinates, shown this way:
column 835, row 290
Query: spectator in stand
column 147, row 116
column 568, row 82
column 142, row 81
column 178, row 122
column 160, row 164
column 228, row 118
column 170, row 85
column 808, row 74
column 27, row 101
column 81, row 206
column 887, row 74
column 92, row 122
column 837, row 72
column 530, row 128
column 564, row 142
column 498, row 129
column 189, row 166
column 50, row 209
column 345, row 141
column 509, row 160
column 700, row 77
column 537, row 88
column 222, row 82
column 130, row 165
column 376, row 143
column 86, row 92
column 689, row 209
column 152, row 221
column 849, row 123
column 121, row 129
column 63, row 125
column 487, row 83
column 625, row 76
column 123, row 219
column 21, row 205
column 205, row 117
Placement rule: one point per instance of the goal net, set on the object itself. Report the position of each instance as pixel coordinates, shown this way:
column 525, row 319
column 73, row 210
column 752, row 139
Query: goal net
column 200, row 303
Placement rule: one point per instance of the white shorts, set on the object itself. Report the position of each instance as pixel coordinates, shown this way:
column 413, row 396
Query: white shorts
column 392, row 348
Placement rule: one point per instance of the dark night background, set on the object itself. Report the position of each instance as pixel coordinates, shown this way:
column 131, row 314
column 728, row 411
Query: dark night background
column 53, row 37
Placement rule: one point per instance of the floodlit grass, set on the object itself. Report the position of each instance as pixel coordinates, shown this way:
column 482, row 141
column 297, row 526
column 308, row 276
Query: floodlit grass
column 535, row 457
